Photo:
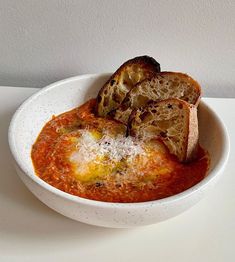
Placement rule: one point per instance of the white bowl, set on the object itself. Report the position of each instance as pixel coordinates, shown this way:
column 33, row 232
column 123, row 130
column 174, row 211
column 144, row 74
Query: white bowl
column 64, row 95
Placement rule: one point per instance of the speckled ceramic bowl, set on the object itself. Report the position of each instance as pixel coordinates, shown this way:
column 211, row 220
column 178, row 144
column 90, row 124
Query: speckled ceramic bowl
column 28, row 121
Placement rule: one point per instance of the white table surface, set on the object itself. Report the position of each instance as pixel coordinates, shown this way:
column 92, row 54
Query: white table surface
column 30, row 231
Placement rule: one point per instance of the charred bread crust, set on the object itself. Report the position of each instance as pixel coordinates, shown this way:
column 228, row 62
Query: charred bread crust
column 147, row 64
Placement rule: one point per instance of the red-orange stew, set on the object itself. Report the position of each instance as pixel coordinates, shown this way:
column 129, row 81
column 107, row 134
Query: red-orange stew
column 89, row 156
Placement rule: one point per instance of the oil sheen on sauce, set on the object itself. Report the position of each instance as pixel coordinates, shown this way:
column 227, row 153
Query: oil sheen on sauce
column 91, row 157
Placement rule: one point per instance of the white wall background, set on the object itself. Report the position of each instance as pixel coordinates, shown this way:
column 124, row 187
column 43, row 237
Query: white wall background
column 44, row 41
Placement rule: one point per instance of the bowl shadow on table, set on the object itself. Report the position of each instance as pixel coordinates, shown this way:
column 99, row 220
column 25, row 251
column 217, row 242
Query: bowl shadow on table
column 23, row 215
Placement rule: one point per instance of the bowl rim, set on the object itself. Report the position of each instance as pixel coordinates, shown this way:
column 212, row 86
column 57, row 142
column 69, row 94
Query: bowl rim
column 201, row 185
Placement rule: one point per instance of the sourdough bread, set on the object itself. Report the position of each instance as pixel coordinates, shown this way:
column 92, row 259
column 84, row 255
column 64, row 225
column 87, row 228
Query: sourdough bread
column 173, row 121
column 123, row 80
column 162, row 86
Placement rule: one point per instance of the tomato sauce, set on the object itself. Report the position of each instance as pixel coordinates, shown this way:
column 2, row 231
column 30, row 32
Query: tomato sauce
column 160, row 175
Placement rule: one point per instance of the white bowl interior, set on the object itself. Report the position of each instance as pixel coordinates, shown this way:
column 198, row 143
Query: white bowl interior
column 67, row 94
column 212, row 136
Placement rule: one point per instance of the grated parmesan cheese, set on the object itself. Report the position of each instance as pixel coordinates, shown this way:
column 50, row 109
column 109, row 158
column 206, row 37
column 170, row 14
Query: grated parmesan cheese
column 92, row 145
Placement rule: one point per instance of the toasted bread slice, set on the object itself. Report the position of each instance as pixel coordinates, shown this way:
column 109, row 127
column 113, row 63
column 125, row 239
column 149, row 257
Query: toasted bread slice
column 173, row 121
column 161, row 86
column 122, row 81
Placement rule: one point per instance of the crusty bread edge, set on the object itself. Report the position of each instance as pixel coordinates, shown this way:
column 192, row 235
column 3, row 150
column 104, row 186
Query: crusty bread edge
column 191, row 147
column 193, row 134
